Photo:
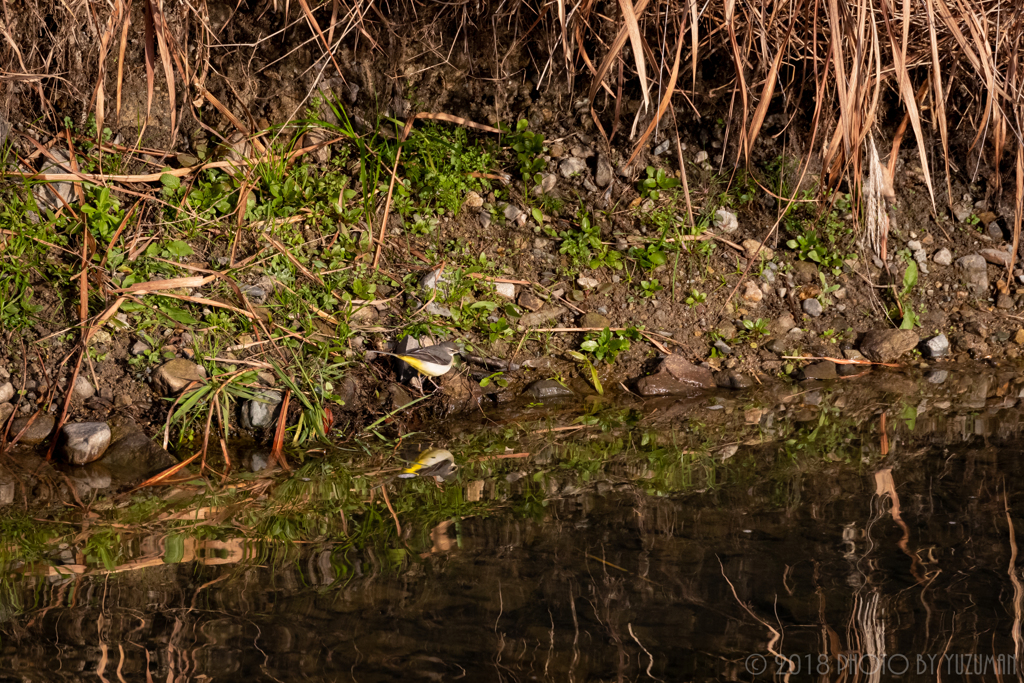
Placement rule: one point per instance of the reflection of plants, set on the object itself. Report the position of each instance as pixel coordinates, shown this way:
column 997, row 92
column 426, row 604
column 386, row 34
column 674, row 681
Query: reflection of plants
column 830, row 436
column 104, row 546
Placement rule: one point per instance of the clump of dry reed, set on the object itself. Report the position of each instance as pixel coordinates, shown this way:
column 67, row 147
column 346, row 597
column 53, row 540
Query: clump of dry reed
column 949, row 64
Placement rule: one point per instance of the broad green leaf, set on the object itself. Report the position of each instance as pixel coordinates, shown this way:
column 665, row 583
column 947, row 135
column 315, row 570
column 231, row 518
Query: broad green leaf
column 178, row 315
column 909, row 275
column 174, row 549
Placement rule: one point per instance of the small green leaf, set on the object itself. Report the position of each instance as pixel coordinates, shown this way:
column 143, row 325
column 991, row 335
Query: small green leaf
column 171, row 182
column 537, row 215
column 910, row 275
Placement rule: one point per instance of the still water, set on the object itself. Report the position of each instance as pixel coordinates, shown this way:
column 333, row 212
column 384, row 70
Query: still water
column 823, row 530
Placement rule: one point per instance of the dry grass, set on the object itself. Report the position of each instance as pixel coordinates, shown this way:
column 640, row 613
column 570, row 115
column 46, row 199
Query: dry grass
column 954, row 65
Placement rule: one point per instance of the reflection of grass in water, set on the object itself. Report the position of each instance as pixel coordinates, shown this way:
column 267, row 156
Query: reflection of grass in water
column 831, row 437
column 329, row 503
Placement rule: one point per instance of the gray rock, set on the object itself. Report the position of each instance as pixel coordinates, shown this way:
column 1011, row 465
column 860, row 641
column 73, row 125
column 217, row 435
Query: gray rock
column 726, row 220
column 723, row 348
column 752, row 249
column 821, row 370
column 432, row 279
column 506, row 290
column 936, row 347
column 434, row 308
column 44, row 193
column 484, row 218
column 135, row 457
column 83, row 442
column 8, row 487
column 548, row 389
column 587, row 282
column 805, row 272
column 37, row 432
column 582, row 151
column 936, row 376
column 1004, row 301
column 731, row 379
column 6, row 410
column 547, row 185
column 511, row 212
column 530, row 301
column 90, row 478
column 259, row 461
column 254, row 293
column 780, row 347
column 812, row 307
column 963, row 210
column 139, row 347
column 605, row 172
column 974, row 271
column 542, row 316
column 853, row 354
column 259, row 412
column 176, row 374
column 348, row 393
column 783, row 324
column 943, row 257
column 571, row 166
column 6, row 392
column 848, row 369
column 752, row 294
column 885, row 346
column 663, row 384
column 662, row 147
column 913, row 245
column 595, row 320
column 676, row 376
column 996, row 257
column 921, row 257
column 83, row 389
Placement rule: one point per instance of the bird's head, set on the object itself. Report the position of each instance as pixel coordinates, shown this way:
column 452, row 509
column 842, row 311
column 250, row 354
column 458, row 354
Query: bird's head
column 451, row 348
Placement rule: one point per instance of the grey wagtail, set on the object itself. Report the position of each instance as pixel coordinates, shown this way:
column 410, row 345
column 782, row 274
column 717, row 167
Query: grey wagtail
column 432, row 361
column 433, row 462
